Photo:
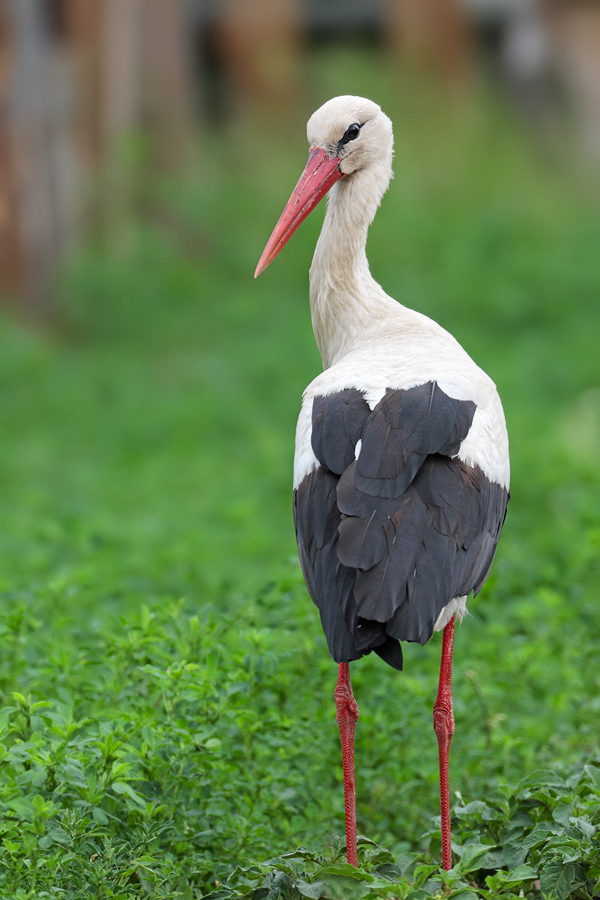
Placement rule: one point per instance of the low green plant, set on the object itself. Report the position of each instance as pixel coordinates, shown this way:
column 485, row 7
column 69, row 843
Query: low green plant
column 163, row 754
column 136, row 764
column 540, row 840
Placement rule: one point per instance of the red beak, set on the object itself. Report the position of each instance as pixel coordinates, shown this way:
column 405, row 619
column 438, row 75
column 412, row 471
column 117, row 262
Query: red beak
column 320, row 173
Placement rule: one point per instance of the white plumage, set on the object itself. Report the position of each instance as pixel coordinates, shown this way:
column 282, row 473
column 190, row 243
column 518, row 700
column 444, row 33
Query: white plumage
column 367, row 339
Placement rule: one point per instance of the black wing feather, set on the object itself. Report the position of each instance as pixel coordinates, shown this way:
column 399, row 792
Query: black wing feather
column 388, row 539
column 337, row 424
column 329, row 582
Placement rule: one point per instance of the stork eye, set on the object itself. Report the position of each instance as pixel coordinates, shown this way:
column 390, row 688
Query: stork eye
column 351, row 133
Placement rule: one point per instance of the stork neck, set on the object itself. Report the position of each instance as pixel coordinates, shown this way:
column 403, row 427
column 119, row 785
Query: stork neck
column 345, row 300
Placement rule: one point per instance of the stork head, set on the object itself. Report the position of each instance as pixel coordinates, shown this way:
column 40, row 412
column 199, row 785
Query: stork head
column 346, row 135
column 354, row 131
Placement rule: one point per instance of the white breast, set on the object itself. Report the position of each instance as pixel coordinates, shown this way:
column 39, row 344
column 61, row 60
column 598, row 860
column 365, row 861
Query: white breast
column 405, row 358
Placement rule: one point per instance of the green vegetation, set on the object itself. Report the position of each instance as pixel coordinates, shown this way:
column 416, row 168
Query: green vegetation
column 168, row 695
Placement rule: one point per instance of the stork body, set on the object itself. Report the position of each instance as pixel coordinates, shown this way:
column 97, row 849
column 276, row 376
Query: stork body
column 401, row 468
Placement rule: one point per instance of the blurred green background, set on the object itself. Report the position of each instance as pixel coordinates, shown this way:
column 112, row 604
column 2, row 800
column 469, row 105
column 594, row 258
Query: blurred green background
column 149, row 390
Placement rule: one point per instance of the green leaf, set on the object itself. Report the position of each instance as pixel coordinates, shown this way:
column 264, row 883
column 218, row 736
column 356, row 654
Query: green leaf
column 514, row 853
column 389, row 871
column 260, row 893
column 12, row 846
column 593, row 773
column 23, row 807
column 584, row 824
column 405, row 861
column 542, row 778
column 100, row 816
column 121, row 787
column 471, row 857
column 514, row 877
column 477, row 806
column 300, row 853
column 74, row 774
column 422, row 873
column 41, row 704
column 377, row 856
column 522, row 873
column 495, row 859
column 345, row 869
column 558, row 880
column 539, row 834
column 313, row 891
column 20, row 699
column 562, row 812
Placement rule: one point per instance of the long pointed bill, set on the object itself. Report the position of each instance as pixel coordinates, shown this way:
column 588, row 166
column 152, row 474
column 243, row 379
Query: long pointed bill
column 320, row 173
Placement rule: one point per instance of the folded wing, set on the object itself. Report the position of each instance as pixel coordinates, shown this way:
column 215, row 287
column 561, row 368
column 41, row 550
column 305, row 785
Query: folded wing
column 392, row 525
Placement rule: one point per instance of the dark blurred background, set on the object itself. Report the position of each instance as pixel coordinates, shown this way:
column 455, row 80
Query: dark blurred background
column 76, row 76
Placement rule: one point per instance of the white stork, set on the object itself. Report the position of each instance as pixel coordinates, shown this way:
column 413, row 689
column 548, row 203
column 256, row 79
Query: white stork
column 401, row 469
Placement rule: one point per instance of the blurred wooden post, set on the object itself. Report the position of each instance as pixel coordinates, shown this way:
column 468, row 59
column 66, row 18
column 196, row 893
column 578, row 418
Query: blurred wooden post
column 36, row 229
column 76, row 78
column 83, row 36
column 122, row 31
column 145, row 74
column 259, row 43
column 575, row 33
column 169, row 80
column 430, row 35
column 10, row 248
column 134, row 58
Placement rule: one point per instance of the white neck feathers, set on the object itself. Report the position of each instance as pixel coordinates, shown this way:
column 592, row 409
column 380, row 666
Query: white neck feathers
column 345, row 300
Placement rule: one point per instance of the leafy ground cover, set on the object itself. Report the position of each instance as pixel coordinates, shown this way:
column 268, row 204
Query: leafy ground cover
column 167, row 722
column 174, row 750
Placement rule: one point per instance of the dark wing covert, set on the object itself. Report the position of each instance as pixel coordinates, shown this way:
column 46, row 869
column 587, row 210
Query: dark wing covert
column 388, row 539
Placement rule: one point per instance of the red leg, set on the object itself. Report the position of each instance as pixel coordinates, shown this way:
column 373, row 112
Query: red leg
column 443, row 724
column 346, row 717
